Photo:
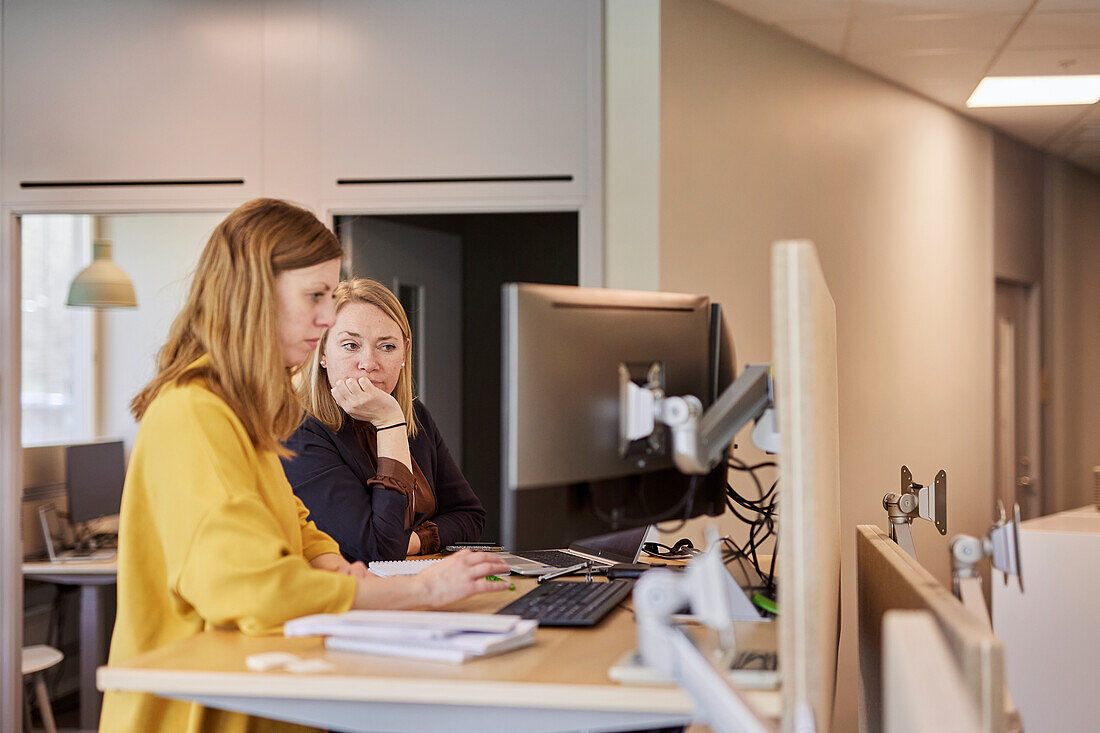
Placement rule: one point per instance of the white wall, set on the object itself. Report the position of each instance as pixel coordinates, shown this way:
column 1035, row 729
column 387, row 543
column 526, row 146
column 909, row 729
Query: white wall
column 158, row 252
column 764, row 138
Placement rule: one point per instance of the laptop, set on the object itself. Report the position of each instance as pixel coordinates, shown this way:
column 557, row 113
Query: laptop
column 56, row 554
column 602, row 551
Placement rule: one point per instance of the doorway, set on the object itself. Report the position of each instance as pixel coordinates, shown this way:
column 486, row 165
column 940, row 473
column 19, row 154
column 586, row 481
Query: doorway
column 451, row 268
column 1017, row 396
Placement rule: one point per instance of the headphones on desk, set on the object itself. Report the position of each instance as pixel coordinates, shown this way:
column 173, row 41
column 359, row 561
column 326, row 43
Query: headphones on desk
column 683, row 547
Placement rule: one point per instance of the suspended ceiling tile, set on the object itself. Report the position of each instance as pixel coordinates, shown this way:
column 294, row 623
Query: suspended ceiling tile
column 1058, row 30
column 946, row 92
column 956, row 32
column 827, row 35
column 888, row 8
column 1040, row 126
column 1040, row 62
column 933, row 73
column 782, row 11
column 1046, row 6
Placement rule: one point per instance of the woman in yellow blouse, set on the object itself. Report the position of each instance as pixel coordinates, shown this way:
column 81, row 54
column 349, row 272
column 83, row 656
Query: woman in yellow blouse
column 210, row 534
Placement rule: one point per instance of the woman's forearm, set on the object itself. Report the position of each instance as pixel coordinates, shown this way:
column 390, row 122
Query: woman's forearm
column 394, row 443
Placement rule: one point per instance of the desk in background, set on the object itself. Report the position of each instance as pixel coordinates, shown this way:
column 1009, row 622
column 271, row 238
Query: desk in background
column 90, row 577
column 1050, row 631
column 560, row 683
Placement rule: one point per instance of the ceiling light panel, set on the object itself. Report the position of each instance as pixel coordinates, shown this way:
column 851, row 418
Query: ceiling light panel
column 1034, row 91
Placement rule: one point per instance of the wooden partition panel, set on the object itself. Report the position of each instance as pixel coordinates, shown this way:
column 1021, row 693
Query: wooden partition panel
column 890, row 579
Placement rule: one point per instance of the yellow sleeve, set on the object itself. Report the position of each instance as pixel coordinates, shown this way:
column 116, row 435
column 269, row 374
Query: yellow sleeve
column 226, row 553
column 314, row 541
column 240, row 573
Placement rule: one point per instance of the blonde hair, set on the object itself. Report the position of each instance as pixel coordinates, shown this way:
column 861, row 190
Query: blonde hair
column 313, row 390
column 230, row 315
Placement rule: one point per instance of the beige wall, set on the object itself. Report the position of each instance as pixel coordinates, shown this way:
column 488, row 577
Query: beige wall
column 1071, row 288
column 1017, row 230
column 764, row 138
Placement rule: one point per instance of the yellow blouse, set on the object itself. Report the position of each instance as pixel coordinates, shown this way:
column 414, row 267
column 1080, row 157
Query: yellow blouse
column 210, row 536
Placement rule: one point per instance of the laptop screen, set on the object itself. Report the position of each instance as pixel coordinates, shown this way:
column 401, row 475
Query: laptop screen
column 614, row 547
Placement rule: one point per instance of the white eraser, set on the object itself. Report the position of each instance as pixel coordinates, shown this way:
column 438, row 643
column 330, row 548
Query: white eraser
column 269, row 660
column 310, row 666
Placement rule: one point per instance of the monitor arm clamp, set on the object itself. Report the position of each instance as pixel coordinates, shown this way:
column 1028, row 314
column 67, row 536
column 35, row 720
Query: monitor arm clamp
column 716, row 600
column 914, row 500
column 699, row 437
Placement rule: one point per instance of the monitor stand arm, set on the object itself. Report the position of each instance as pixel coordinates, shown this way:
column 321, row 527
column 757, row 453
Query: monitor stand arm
column 717, row 601
column 699, row 438
column 1002, row 546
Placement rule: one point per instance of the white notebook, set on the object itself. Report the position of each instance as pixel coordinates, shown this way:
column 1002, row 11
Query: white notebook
column 396, row 623
column 456, row 648
column 389, row 568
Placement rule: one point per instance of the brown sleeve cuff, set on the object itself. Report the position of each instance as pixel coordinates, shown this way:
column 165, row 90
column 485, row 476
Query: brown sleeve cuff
column 396, row 476
column 429, row 538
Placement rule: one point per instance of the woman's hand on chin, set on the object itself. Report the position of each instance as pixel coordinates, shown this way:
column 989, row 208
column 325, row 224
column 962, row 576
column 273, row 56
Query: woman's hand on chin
column 363, row 401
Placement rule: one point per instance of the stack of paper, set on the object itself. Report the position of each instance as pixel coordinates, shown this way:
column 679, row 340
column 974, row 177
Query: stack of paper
column 433, row 635
column 389, row 568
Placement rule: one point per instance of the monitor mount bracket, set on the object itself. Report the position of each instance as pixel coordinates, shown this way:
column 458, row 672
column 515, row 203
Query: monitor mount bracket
column 914, row 500
column 699, row 437
column 1002, row 546
column 716, row 600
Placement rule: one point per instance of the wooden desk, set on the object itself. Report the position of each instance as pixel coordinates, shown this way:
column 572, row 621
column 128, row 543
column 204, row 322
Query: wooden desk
column 560, row 683
column 90, row 576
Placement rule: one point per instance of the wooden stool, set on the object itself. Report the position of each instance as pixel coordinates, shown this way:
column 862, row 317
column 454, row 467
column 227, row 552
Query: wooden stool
column 36, row 660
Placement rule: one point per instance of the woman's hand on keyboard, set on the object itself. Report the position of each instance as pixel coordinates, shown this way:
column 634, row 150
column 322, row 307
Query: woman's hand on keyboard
column 461, row 574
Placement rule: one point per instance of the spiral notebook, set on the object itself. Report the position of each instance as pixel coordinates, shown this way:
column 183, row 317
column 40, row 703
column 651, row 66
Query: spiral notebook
column 390, row 568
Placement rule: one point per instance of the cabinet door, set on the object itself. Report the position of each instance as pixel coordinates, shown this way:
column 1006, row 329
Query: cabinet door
column 118, row 91
column 435, row 89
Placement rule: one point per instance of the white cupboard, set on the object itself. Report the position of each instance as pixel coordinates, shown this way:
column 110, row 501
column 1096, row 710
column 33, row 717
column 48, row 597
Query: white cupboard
column 100, row 95
column 338, row 104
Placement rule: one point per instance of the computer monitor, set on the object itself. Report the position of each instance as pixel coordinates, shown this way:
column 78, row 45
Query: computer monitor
column 94, row 475
column 564, row 477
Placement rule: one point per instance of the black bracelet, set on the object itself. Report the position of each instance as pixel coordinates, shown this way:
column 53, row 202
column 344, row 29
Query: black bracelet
column 395, row 425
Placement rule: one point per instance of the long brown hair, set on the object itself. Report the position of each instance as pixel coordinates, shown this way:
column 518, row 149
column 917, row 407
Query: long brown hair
column 230, row 315
column 313, row 390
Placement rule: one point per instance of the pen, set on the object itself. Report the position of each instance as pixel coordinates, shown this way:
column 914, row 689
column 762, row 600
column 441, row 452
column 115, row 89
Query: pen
column 495, row 579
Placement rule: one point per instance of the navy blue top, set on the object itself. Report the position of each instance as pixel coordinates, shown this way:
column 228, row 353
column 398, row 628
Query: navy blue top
column 362, row 503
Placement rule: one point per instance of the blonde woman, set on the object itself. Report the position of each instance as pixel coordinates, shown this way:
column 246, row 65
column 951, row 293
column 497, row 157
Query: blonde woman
column 210, row 534
column 369, row 461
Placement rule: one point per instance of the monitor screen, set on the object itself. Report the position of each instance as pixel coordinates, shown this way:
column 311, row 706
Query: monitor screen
column 564, row 477
column 94, row 475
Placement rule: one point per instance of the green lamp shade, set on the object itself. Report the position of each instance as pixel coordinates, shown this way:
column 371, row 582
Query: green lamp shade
column 102, row 284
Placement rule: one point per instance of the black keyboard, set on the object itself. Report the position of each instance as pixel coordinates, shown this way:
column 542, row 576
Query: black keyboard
column 569, row 603
column 553, row 558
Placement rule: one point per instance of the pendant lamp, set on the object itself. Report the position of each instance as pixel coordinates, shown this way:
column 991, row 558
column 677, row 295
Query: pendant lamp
column 102, row 284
